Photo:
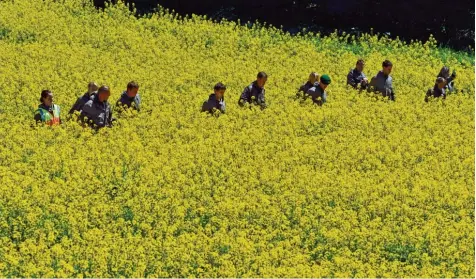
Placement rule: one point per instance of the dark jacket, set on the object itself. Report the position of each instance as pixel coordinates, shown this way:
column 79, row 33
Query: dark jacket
column 78, row 106
column 253, row 94
column 382, row 84
column 213, row 103
column 99, row 113
column 306, row 87
column 435, row 92
column 318, row 95
column 354, row 78
column 125, row 100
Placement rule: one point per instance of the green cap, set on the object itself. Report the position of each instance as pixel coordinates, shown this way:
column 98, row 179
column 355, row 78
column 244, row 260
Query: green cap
column 325, row 79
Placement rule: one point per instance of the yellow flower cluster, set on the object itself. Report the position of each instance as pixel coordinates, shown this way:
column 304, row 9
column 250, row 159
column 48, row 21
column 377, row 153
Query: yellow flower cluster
column 360, row 187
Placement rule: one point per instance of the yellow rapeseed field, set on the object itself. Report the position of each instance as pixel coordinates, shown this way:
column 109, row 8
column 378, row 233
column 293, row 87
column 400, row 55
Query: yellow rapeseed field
column 360, row 187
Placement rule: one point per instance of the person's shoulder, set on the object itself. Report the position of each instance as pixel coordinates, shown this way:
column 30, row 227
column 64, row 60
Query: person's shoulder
column 211, row 97
column 89, row 103
column 249, row 87
column 123, row 95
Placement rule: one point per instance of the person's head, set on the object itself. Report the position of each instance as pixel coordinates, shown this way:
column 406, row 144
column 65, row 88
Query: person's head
column 261, row 79
column 92, row 87
column 325, row 81
column 313, row 77
column 444, row 72
column 103, row 93
column 132, row 88
column 360, row 65
column 387, row 67
column 440, row 82
column 219, row 90
column 46, row 98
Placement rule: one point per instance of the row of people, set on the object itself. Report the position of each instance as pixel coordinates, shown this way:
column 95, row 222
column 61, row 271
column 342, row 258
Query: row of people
column 95, row 110
column 356, row 78
column 315, row 87
column 93, row 107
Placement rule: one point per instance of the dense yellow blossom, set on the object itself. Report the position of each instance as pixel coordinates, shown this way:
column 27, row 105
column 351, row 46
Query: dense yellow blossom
column 358, row 187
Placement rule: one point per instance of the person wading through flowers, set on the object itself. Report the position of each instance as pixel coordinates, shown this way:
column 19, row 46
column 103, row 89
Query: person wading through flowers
column 254, row 93
column 318, row 91
column 216, row 100
column 47, row 111
column 130, row 98
column 438, row 90
column 97, row 112
column 92, row 90
column 312, row 80
column 357, row 77
column 382, row 82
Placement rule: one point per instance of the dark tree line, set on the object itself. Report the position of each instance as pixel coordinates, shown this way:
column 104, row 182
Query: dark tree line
column 450, row 22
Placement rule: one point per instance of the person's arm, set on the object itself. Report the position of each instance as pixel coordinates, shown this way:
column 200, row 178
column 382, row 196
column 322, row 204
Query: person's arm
column 138, row 101
column 37, row 117
column 302, row 91
column 207, row 106
column 371, row 86
column 261, row 99
column 76, row 106
column 222, row 106
column 110, row 119
column 365, row 82
column 392, row 92
column 351, row 80
column 312, row 92
column 59, row 114
column 120, row 106
column 318, row 98
column 427, row 95
column 244, row 96
column 87, row 115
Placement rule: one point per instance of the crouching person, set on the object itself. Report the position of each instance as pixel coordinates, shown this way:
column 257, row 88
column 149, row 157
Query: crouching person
column 97, row 112
column 313, row 79
column 216, row 101
column 47, row 112
column 438, row 90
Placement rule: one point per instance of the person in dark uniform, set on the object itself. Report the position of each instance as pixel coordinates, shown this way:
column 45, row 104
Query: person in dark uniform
column 382, row 82
column 357, row 77
column 254, row 93
column 130, row 98
column 78, row 106
column 216, row 100
column 97, row 112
